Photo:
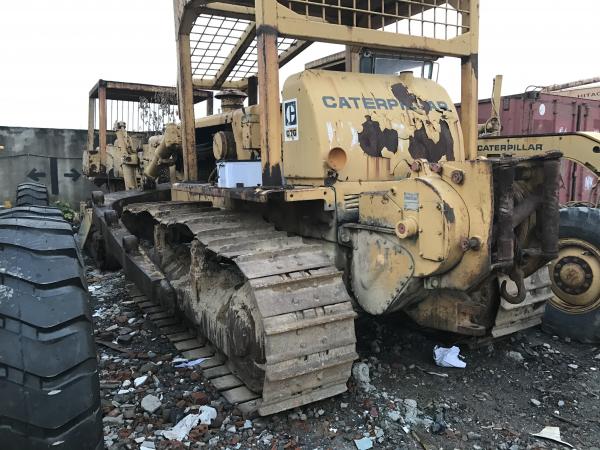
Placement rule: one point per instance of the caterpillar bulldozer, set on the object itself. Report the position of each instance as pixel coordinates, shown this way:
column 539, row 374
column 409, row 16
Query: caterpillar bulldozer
column 354, row 193
column 573, row 307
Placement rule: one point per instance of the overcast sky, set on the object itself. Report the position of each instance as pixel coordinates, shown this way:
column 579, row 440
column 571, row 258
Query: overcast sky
column 53, row 52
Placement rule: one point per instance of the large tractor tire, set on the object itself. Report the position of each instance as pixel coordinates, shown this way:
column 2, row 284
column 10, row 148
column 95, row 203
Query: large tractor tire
column 574, row 311
column 49, row 390
column 32, row 194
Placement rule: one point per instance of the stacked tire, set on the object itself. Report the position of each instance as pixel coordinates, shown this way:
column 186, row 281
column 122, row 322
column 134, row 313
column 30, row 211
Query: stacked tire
column 31, row 194
column 49, row 390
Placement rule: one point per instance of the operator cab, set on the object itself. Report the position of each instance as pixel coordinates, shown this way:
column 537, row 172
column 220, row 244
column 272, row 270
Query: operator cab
column 368, row 61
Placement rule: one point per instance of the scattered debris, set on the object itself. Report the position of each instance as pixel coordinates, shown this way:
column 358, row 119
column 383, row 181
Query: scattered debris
column 189, row 364
column 180, row 431
column 150, row 403
column 448, row 357
column 515, row 356
column 207, row 414
column 437, row 374
column 112, row 346
column 140, row 380
column 411, row 415
column 552, row 434
column 421, row 441
column 394, row 415
column 364, row 443
column 361, row 373
column 486, row 407
column 428, row 372
column 564, row 419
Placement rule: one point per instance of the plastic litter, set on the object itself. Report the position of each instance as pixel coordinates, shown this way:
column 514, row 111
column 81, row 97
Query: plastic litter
column 179, row 360
column 93, row 288
column 364, row 443
column 180, row 431
column 448, row 357
column 100, row 312
column 192, row 363
column 207, row 414
column 552, row 434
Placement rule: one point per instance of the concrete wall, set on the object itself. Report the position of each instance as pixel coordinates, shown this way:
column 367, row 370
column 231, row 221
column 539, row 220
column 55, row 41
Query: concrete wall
column 47, row 155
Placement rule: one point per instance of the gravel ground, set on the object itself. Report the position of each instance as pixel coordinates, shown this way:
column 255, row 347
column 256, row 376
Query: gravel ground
column 398, row 398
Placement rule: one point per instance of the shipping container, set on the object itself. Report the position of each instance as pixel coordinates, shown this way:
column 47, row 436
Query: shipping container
column 535, row 112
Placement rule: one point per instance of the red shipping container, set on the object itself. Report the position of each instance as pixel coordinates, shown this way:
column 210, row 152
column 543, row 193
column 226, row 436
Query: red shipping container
column 536, row 112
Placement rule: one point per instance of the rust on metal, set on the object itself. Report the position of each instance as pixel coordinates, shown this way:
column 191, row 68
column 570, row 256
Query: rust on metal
column 373, row 139
column 421, row 146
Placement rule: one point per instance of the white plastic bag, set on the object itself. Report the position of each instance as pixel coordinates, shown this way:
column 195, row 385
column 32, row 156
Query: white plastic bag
column 448, row 357
column 180, row 431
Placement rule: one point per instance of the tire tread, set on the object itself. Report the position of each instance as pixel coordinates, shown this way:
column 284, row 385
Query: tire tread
column 46, row 338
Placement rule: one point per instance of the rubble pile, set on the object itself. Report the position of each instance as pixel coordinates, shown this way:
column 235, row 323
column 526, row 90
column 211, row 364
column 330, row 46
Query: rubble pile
column 398, row 398
column 147, row 402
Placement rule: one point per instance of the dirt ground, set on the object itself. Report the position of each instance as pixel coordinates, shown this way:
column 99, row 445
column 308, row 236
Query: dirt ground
column 508, row 390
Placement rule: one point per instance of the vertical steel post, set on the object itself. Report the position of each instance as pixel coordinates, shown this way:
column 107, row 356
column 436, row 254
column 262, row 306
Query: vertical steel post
column 91, row 123
column 186, row 106
column 268, row 90
column 469, row 74
column 102, row 125
column 351, row 59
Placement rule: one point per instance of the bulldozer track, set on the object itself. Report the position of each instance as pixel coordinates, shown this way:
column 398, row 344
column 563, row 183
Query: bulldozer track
column 307, row 330
column 191, row 346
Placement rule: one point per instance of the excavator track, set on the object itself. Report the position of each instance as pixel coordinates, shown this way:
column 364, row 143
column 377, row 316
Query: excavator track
column 283, row 322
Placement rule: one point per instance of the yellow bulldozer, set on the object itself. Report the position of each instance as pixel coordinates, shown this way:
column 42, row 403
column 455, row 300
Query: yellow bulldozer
column 573, row 308
column 351, row 193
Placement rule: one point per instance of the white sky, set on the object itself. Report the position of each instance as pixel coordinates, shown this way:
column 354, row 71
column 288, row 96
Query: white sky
column 53, row 52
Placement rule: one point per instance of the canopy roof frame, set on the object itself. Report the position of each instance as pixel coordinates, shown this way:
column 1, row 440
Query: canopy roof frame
column 291, row 25
column 105, row 90
column 275, row 31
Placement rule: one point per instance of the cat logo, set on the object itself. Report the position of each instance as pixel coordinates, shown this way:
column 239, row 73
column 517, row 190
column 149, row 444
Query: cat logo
column 290, row 120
